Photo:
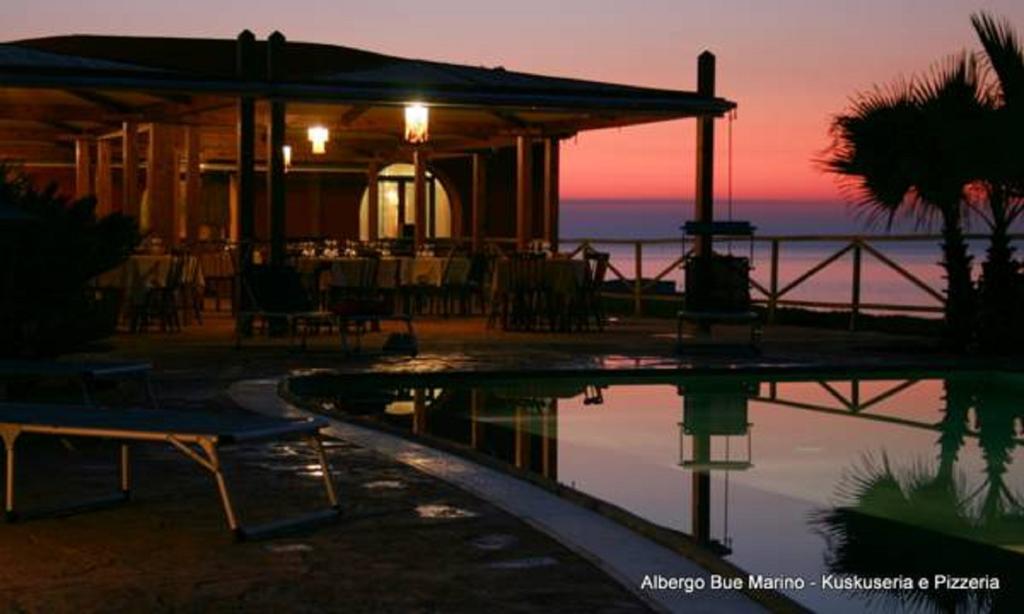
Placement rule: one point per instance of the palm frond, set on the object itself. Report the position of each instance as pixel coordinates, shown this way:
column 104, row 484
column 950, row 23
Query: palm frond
column 1004, row 53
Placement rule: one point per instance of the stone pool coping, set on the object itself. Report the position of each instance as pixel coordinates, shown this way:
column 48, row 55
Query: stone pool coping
column 621, row 553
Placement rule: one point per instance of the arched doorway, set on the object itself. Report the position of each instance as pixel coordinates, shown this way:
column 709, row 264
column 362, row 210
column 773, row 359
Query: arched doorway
column 395, row 205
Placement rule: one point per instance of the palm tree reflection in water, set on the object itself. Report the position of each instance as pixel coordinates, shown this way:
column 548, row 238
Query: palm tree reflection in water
column 920, row 522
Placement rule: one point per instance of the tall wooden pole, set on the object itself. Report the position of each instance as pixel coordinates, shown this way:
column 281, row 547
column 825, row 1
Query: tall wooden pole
column 130, row 169
column 479, row 200
column 233, row 215
column 524, row 192
column 551, row 194
column 372, row 202
column 419, row 162
column 83, row 168
column 105, row 176
column 275, row 152
column 705, row 153
column 246, row 133
column 161, row 184
column 193, row 183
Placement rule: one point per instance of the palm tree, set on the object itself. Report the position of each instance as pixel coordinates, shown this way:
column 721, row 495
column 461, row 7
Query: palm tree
column 909, row 148
column 1000, row 288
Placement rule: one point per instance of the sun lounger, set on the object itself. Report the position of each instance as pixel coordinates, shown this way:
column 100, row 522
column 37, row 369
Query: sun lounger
column 85, row 373
column 197, row 435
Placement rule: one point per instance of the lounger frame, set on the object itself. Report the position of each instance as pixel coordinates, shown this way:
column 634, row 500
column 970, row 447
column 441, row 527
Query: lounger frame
column 202, row 448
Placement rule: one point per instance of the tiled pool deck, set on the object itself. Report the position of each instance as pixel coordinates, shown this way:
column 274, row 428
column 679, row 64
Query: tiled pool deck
column 197, row 367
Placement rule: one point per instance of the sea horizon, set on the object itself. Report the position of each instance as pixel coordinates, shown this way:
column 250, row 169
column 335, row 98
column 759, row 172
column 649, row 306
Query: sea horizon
column 659, row 218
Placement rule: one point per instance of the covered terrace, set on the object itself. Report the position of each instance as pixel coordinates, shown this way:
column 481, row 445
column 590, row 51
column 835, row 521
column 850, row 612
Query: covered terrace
column 262, row 143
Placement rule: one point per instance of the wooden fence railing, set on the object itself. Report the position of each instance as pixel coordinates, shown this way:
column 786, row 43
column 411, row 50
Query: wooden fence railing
column 777, row 293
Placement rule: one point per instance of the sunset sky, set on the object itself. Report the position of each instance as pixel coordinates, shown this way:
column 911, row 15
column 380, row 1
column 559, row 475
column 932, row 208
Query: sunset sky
column 789, row 64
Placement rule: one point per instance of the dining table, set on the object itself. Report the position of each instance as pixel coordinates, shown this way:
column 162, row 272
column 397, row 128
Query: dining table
column 529, row 290
column 140, row 273
column 136, row 275
column 561, row 276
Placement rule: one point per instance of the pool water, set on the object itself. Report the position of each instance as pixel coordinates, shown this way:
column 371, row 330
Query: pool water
column 878, row 475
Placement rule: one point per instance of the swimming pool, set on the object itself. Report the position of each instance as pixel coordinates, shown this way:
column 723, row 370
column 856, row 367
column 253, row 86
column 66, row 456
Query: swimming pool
column 823, row 478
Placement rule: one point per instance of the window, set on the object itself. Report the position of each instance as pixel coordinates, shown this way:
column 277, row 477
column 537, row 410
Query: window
column 395, row 205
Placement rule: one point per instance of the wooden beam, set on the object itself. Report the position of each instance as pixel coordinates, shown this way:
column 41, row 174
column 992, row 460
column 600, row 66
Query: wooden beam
column 102, row 100
column 419, row 161
column 524, row 192
column 479, row 200
column 19, row 134
column 54, row 112
column 349, row 117
column 507, row 117
column 104, row 177
column 160, row 215
column 83, row 168
column 130, row 176
column 193, row 182
column 551, row 192
column 63, row 127
column 178, row 99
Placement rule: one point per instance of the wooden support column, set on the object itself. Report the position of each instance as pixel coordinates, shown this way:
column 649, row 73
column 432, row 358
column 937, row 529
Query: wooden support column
column 193, row 183
column 130, row 201
column 161, row 184
column 704, row 195
column 524, row 192
column 479, row 200
column 246, row 134
column 275, row 153
column 104, row 177
column 551, row 194
column 419, row 161
column 83, row 168
column 232, row 229
column 372, row 202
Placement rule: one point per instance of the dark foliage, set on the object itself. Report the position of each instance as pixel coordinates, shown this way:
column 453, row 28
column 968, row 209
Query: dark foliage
column 46, row 262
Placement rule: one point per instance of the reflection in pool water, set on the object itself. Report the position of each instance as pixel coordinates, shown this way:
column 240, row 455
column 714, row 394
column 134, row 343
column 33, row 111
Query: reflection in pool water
column 912, row 476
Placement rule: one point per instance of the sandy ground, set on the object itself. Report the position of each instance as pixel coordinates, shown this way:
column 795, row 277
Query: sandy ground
column 406, row 542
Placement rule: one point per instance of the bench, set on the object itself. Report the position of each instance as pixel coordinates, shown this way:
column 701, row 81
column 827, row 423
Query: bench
column 198, row 435
column 86, row 374
column 708, row 318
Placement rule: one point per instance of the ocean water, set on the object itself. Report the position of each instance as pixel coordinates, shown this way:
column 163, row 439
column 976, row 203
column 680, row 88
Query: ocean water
column 880, row 283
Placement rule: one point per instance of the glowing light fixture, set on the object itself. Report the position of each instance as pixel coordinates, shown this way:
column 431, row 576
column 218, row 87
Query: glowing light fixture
column 417, row 123
column 286, row 151
column 318, row 136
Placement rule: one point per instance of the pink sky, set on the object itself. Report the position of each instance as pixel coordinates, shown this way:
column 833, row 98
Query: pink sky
column 789, row 64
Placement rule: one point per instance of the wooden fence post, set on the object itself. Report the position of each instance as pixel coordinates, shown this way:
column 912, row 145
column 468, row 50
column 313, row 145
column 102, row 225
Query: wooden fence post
column 638, row 283
column 855, row 299
column 773, row 295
